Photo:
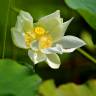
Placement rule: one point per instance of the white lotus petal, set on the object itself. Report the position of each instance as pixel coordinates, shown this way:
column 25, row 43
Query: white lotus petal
column 50, row 21
column 36, row 56
column 53, row 61
column 59, row 30
column 57, row 49
column 35, row 45
column 18, row 39
column 69, row 50
column 62, row 50
column 70, row 43
column 66, row 24
column 54, row 25
column 24, row 22
column 51, row 50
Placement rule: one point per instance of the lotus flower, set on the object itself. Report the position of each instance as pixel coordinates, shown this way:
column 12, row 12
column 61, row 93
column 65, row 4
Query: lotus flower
column 44, row 38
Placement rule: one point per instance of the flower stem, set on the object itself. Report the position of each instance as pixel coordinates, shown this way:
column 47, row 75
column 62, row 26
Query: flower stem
column 16, row 10
column 87, row 55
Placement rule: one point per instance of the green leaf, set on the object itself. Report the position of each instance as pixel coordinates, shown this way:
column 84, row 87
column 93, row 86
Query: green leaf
column 87, row 9
column 72, row 89
column 17, row 80
column 86, row 36
column 48, row 88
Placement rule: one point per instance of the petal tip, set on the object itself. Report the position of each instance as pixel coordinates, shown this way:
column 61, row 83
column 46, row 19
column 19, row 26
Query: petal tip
column 52, row 65
column 53, row 61
column 83, row 43
column 58, row 11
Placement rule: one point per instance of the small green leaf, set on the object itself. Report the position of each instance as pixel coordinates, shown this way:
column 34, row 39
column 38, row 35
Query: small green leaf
column 86, row 36
column 87, row 9
column 17, row 80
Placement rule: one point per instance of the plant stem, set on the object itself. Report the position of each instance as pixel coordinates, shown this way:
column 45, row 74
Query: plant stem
column 87, row 55
column 16, row 10
column 5, row 30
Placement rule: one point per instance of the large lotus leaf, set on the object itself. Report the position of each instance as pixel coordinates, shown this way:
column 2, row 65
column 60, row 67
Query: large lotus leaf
column 17, row 80
column 87, row 9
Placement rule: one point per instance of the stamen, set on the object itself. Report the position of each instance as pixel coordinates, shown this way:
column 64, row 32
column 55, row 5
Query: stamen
column 39, row 31
column 45, row 42
column 29, row 36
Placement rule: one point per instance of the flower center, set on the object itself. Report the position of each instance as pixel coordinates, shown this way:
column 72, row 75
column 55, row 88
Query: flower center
column 45, row 42
column 38, row 33
column 29, row 36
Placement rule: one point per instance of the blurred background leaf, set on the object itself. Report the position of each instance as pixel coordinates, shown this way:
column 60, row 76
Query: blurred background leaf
column 48, row 88
column 86, row 8
column 4, row 12
column 17, row 80
column 70, row 89
column 87, row 37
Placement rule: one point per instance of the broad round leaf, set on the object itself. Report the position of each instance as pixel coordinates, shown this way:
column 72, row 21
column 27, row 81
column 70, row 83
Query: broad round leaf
column 16, row 79
column 86, row 8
